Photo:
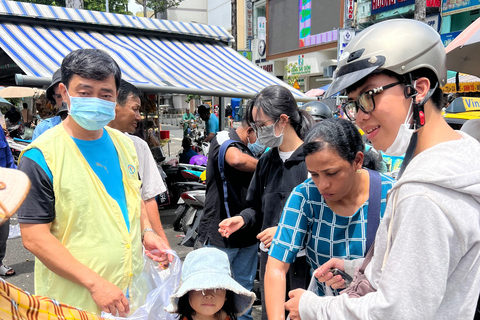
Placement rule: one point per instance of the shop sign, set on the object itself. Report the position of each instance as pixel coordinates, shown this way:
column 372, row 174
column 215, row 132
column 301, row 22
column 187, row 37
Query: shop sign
column 344, row 38
column 349, row 12
column 448, row 37
column 433, row 21
column 267, row 67
column 301, row 68
column 249, row 19
column 456, row 6
column 306, row 38
column 463, row 87
column 262, row 28
column 379, row 6
column 246, row 53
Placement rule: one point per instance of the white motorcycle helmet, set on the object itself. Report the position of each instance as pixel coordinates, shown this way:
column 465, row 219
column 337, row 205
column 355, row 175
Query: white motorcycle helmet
column 398, row 45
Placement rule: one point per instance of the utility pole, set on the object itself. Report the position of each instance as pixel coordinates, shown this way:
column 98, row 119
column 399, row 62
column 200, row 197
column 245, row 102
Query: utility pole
column 234, row 23
column 420, row 10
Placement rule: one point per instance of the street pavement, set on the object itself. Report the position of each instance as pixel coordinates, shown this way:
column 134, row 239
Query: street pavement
column 22, row 261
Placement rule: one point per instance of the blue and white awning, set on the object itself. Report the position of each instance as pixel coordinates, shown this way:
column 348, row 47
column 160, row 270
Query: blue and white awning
column 201, row 67
column 155, row 60
column 43, row 12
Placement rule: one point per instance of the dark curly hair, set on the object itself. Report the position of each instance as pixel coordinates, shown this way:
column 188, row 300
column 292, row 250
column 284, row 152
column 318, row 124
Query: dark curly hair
column 339, row 134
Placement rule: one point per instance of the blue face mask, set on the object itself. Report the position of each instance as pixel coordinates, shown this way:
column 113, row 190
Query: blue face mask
column 256, row 147
column 91, row 113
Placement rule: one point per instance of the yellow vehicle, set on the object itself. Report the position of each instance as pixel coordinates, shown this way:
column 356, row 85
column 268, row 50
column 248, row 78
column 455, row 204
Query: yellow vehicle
column 460, row 110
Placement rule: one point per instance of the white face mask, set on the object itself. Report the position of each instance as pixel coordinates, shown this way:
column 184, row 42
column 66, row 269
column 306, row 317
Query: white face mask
column 404, row 134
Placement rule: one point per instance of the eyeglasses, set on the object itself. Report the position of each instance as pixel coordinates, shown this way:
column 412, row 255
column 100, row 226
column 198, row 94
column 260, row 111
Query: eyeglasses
column 365, row 101
column 57, row 96
column 259, row 126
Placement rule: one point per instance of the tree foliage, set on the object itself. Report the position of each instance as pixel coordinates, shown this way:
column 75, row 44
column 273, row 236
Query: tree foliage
column 115, row 6
column 158, row 6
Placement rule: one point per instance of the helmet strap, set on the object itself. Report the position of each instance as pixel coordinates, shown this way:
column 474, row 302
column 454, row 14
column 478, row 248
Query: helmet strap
column 418, row 108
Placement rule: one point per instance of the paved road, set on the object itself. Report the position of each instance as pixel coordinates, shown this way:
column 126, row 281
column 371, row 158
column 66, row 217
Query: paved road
column 22, row 261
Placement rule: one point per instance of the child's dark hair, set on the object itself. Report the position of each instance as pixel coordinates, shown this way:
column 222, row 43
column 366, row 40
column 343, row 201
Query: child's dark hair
column 340, row 135
column 186, row 311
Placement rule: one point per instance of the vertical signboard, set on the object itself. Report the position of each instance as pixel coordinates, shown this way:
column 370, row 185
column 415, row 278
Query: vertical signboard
column 262, row 28
column 249, row 19
column 349, row 13
column 344, row 38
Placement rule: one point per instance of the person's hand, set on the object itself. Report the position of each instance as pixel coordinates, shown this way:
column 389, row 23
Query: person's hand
column 323, row 273
column 109, row 298
column 266, row 236
column 230, row 225
column 156, row 249
column 292, row 305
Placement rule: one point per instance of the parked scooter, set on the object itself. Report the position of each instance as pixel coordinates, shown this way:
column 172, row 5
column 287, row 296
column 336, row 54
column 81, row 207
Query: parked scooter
column 190, row 220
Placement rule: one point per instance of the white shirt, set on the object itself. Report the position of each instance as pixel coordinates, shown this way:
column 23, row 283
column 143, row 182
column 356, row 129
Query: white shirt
column 152, row 183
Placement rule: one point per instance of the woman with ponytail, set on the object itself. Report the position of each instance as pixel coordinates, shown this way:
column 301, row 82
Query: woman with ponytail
column 280, row 125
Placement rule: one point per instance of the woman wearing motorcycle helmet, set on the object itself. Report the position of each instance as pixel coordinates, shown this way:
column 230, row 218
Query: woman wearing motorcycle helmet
column 426, row 259
column 280, row 125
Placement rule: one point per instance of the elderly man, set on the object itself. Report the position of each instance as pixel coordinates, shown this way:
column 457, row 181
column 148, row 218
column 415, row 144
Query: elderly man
column 84, row 219
column 127, row 115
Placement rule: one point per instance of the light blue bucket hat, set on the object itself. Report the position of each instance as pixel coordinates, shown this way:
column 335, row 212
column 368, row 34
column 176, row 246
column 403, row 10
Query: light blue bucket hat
column 209, row 268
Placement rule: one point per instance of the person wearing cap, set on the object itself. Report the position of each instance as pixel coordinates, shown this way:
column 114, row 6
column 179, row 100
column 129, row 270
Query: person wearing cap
column 127, row 115
column 6, row 161
column 84, row 219
column 53, row 95
column 207, row 289
column 318, row 110
column 211, row 122
column 425, row 262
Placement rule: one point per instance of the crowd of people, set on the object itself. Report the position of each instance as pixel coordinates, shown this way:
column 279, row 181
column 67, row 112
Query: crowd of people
column 337, row 239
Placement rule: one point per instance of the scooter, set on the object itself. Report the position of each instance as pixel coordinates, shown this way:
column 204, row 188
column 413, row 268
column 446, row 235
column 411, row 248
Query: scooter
column 190, row 220
column 195, row 184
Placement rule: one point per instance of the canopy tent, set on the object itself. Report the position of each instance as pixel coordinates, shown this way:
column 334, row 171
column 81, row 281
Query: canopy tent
column 155, row 55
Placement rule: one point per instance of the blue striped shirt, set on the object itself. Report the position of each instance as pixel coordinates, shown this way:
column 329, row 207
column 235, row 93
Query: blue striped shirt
column 307, row 221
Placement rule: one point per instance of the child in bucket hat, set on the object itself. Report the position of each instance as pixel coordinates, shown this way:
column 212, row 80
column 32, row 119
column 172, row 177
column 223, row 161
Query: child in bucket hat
column 207, row 289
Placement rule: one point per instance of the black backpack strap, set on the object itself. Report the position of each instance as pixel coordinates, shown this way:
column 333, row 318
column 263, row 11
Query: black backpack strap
column 374, row 206
column 221, row 169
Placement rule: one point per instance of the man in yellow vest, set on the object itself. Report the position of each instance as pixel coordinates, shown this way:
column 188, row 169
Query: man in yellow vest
column 84, row 219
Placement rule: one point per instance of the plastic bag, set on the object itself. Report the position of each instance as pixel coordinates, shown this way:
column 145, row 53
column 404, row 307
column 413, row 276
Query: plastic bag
column 154, row 286
column 14, row 231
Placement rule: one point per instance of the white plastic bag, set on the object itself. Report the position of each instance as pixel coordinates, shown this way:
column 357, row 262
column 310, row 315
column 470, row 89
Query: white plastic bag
column 154, row 286
column 14, row 231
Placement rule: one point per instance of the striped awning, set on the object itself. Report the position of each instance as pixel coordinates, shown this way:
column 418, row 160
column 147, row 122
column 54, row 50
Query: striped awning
column 98, row 18
column 152, row 61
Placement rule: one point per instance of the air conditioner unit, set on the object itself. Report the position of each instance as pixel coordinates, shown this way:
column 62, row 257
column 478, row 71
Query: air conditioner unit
column 328, row 71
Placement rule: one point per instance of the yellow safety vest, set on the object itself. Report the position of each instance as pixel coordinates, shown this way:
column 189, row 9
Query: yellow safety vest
column 88, row 221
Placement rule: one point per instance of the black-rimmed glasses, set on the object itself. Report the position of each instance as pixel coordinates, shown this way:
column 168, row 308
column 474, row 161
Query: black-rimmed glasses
column 365, row 101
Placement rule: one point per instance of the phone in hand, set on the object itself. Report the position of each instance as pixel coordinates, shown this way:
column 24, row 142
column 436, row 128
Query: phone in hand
column 344, row 275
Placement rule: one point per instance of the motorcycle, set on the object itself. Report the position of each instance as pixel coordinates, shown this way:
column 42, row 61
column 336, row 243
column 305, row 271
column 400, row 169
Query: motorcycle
column 192, row 215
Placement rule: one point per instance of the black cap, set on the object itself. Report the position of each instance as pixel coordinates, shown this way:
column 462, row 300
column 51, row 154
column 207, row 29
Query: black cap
column 56, row 78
